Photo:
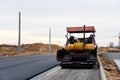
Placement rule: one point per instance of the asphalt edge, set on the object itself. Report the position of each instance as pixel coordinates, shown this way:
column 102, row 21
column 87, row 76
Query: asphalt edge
column 41, row 72
column 46, row 73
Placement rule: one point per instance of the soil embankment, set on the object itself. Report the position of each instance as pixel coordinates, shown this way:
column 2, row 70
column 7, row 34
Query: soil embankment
column 28, row 49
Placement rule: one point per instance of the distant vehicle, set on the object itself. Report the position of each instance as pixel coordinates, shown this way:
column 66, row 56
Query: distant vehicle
column 79, row 51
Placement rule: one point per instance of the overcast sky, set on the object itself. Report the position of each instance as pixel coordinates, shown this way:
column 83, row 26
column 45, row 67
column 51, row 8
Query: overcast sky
column 39, row 15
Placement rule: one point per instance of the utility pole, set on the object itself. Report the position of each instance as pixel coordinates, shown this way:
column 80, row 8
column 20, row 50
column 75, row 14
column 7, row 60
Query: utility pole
column 49, row 40
column 119, row 39
column 19, row 34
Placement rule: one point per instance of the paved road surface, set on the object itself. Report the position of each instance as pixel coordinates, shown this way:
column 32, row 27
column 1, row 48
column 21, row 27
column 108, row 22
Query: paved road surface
column 69, row 74
column 111, row 56
column 21, row 68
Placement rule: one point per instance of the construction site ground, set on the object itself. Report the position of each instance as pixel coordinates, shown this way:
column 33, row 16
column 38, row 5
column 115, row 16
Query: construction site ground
column 110, row 69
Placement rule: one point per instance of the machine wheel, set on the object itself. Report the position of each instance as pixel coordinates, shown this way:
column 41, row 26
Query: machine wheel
column 95, row 52
column 61, row 53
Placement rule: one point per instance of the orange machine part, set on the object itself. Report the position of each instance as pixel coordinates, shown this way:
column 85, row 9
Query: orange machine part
column 80, row 29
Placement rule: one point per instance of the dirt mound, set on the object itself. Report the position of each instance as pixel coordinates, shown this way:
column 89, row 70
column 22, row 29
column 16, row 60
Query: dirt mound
column 28, row 49
column 113, row 50
column 39, row 48
column 7, row 50
column 107, row 49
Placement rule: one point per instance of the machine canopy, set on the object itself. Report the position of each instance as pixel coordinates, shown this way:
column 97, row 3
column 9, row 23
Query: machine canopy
column 88, row 29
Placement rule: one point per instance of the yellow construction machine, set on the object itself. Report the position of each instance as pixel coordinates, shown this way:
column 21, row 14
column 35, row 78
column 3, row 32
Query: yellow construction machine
column 80, row 48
